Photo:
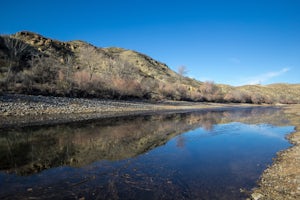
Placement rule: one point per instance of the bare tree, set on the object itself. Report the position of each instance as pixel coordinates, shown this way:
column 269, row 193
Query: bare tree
column 180, row 142
column 45, row 69
column 68, row 62
column 182, row 70
column 124, row 69
column 16, row 49
column 91, row 59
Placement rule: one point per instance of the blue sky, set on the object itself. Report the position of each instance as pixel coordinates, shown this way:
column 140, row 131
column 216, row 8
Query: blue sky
column 225, row 41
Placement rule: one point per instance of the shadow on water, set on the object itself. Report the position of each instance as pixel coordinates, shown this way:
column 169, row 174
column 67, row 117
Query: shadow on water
column 198, row 155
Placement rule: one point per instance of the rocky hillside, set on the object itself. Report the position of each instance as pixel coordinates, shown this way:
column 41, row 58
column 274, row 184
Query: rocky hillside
column 33, row 64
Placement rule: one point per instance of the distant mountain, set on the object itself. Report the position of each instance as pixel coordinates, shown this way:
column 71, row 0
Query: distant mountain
column 33, row 64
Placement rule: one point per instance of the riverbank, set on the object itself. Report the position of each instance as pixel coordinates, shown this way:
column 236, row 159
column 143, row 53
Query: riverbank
column 23, row 110
column 281, row 181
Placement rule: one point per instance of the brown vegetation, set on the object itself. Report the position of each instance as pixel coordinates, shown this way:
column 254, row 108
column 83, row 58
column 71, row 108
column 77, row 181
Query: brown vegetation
column 33, row 64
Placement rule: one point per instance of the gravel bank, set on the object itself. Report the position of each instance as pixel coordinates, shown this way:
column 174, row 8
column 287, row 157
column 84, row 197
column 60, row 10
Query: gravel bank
column 281, row 181
column 21, row 105
column 26, row 109
column 22, row 110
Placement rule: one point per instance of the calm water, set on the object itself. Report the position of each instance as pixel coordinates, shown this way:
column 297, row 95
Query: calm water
column 200, row 155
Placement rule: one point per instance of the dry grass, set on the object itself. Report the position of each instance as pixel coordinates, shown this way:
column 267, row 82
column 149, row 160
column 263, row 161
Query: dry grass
column 76, row 68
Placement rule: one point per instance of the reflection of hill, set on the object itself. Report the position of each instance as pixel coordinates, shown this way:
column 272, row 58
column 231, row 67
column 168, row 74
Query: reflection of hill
column 268, row 115
column 33, row 149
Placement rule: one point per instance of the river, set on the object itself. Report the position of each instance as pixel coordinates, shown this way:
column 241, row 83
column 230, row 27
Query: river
column 195, row 155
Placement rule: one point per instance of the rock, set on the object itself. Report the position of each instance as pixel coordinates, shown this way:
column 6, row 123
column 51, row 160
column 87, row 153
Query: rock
column 256, row 196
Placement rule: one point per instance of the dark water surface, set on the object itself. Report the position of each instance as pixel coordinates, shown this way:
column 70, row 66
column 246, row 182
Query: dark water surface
column 199, row 155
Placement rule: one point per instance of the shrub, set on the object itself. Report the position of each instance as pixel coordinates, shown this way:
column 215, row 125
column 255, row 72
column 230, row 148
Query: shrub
column 126, row 88
column 196, row 96
column 237, row 96
column 45, row 69
column 208, row 87
column 82, row 79
column 167, row 91
column 257, row 98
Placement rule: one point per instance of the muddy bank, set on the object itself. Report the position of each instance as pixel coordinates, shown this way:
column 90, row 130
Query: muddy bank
column 23, row 110
column 281, row 181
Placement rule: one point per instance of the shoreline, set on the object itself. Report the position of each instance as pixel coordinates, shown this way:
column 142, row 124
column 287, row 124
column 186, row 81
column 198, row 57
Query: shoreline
column 26, row 110
column 281, row 181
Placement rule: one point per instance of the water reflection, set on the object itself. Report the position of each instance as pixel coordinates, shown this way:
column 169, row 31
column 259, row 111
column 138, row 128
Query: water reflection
column 150, row 157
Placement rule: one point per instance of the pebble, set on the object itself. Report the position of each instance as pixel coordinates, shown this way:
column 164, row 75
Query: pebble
column 18, row 108
column 15, row 104
column 256, row 196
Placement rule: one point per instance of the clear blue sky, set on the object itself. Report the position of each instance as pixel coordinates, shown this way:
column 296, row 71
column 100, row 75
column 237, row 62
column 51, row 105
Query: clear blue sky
column 233, row 42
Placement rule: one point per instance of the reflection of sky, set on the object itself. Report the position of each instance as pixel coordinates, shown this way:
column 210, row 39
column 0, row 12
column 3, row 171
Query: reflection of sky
column 270, row 131
column 214, row 162
column 235, row 152
column 266, row 130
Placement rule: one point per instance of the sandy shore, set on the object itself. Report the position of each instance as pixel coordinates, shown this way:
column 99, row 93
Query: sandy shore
column 281, row 181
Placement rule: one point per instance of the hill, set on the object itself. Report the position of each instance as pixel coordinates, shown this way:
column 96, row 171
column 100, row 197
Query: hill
column 33, row 64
